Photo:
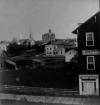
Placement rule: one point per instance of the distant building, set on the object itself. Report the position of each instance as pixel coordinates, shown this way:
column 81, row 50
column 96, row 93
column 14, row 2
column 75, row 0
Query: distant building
column 27, row 41
column 67, row 43
column 89, row 55
column 54, row 50
column 70, row 43
column 49, row 50
column 3, row 49
column 3, row 45
column 32, row 41
column 60, row 51
column 58, row 46
column 48, row 37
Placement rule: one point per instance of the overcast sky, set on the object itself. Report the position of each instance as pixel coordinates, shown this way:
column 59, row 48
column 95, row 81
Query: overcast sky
column 18, row 18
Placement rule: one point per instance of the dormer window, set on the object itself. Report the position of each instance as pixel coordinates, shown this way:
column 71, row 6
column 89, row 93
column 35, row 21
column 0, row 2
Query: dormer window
column 89, row 39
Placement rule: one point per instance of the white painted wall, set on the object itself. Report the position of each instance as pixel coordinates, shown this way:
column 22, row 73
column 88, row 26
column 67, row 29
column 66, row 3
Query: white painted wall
column 50, row 49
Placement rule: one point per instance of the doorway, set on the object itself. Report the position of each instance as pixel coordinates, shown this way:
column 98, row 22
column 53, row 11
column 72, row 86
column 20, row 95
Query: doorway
column 88, row 85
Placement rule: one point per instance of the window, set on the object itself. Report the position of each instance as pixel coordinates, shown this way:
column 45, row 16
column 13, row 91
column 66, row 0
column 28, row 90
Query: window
column 89, row 39
column 56, row 52
column 50, row 48
column 90, row 63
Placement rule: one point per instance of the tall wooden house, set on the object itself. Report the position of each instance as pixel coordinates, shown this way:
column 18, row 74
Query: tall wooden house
column 88, row 35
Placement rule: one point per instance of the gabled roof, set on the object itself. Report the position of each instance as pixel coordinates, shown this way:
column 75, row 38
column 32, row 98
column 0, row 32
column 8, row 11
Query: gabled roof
column 63, row 42
column 75, row 31
column 55, row 42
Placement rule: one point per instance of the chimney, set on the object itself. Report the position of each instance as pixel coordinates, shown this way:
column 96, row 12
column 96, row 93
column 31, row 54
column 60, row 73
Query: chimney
column 80, row 24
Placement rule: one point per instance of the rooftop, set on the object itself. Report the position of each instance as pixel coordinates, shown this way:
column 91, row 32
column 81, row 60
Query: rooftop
column 75, row 31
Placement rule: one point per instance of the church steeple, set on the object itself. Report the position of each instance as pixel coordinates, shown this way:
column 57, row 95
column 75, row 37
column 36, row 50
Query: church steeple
column 30, row 36
column 32, row 41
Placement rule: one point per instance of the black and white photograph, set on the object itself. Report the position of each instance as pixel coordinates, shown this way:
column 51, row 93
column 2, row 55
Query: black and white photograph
column 49, row 52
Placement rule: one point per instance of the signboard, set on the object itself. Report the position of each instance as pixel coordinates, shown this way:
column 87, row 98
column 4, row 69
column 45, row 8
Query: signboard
column 88, row 77
column 90, row 52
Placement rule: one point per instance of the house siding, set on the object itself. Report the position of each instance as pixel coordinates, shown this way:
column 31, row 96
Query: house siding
column 91, row 25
